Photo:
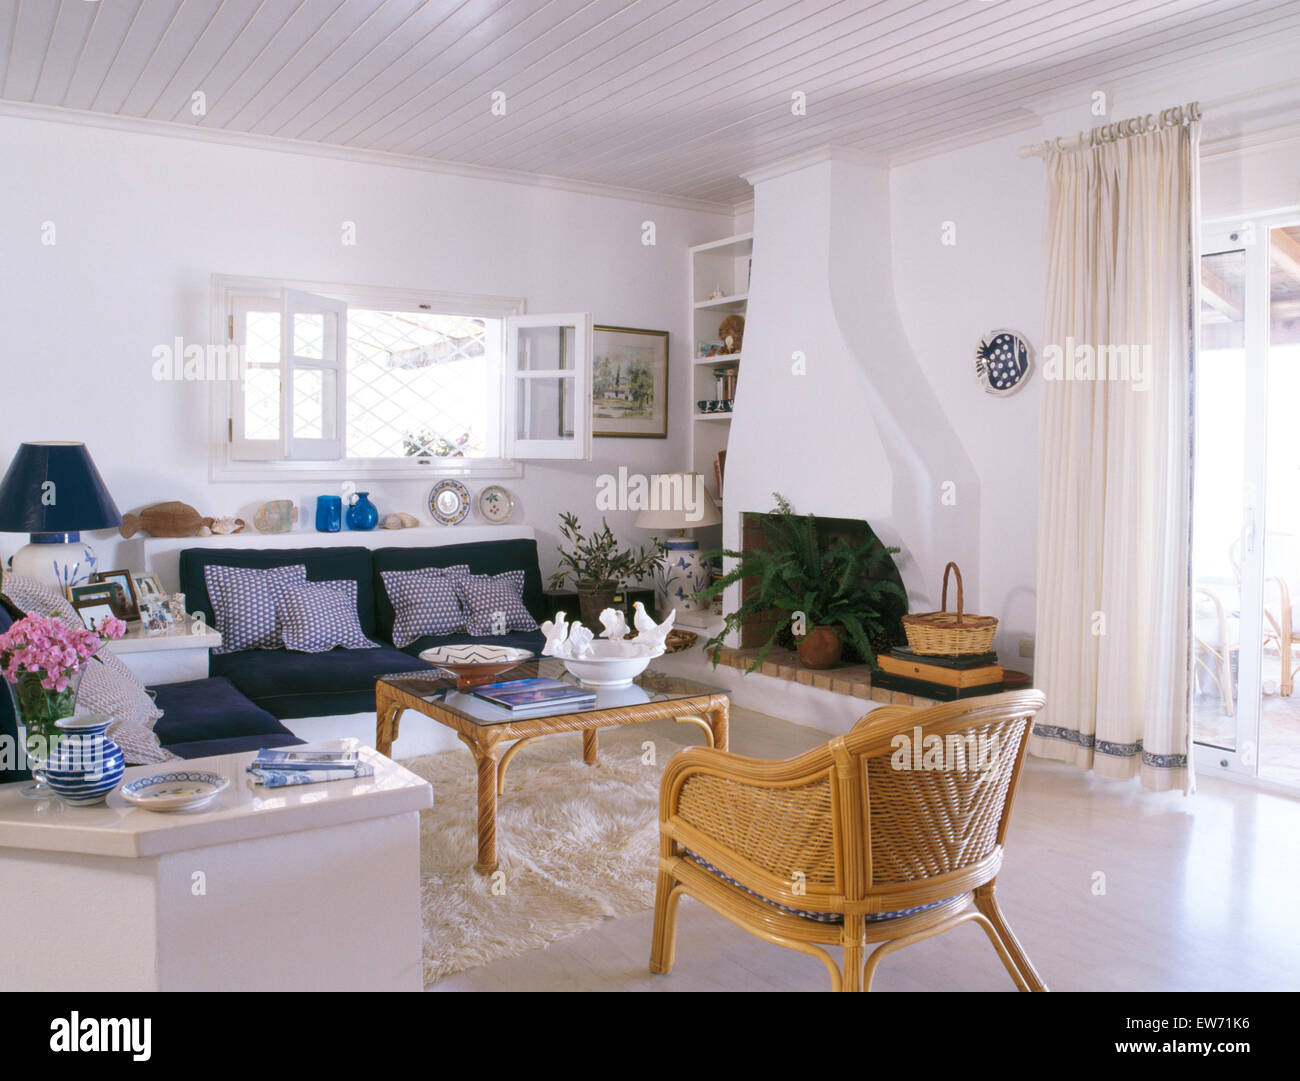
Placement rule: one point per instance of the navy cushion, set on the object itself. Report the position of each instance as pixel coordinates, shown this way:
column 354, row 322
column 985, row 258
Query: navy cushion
column 210, row 710
column 8, row 721
column 234, row 745
column 323, row 565
column 312, row 684
column 533, row 640
column 483, row 557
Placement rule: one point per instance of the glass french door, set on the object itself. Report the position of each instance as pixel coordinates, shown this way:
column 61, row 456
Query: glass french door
column 1246, row 511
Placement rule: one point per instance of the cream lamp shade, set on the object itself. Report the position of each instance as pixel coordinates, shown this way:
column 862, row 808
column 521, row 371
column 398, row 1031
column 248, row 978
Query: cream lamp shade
column 679, row 501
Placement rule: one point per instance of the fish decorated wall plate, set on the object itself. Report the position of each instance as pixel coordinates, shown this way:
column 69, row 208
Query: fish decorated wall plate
column 1003, row 361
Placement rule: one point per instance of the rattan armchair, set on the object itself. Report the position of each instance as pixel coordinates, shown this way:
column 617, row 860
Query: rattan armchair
column 875, row 837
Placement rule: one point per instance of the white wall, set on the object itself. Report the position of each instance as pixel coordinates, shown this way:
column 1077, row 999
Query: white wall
column 142, row 222
column 949, row 296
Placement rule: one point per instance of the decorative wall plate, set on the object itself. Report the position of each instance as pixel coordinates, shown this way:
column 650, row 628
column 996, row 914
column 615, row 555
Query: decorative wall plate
column 1003, row 361
column 495, row 504
column 449, row 502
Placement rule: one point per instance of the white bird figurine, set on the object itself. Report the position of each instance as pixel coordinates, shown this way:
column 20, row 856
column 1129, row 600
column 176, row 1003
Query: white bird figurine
column 651, row 635
column 556, row 635
column 615, row 624
column 580, row 639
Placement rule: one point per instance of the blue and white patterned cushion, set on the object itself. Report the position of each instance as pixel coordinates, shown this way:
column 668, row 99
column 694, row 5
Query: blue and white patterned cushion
column 245, row 604
column 819, row 917
column 425, row 601
column 319, row 616
column 494, row 604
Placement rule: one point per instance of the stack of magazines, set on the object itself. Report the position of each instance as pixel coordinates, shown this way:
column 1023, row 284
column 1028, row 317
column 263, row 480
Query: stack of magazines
column 306, row 765
column 536, row 695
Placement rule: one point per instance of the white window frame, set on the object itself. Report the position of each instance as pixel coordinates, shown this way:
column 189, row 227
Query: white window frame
column 231, row 296
column 519, row 378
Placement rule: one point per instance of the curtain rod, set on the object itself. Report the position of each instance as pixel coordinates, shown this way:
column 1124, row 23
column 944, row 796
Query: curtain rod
column 1120, row 129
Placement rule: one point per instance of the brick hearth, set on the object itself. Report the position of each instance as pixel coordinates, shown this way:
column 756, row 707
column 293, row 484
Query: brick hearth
column 850, row 680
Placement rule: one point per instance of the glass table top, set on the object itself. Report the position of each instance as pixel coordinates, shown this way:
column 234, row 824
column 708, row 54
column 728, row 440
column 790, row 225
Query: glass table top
column 433, row 685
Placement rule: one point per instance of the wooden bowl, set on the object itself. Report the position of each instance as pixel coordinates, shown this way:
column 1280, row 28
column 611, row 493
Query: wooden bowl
column 473, row 664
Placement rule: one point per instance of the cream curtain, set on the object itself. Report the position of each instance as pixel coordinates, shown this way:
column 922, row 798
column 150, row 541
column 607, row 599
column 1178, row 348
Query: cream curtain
column 1115, row 431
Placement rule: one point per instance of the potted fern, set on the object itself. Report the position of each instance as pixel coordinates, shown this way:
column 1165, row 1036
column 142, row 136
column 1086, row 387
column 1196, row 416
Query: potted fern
column 848, row 591
column 599, row 566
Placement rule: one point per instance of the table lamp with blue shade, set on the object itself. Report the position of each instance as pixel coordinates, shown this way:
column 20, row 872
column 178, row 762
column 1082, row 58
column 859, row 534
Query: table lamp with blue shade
column 678, row 501
column 53, row 491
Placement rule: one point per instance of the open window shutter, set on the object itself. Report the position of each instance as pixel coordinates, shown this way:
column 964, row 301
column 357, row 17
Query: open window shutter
column 313, row 357
column 255, row 405
column 548, row 386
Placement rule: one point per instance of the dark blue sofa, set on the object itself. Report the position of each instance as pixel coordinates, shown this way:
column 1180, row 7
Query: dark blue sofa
column 248, row 695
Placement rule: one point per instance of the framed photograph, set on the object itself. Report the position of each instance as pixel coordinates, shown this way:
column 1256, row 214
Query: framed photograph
column 124, row 581
column 147, row 586
column 96, row 601
column 629, row 385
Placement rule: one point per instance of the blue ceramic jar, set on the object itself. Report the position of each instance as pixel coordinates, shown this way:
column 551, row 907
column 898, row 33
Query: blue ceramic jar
column 85, row 765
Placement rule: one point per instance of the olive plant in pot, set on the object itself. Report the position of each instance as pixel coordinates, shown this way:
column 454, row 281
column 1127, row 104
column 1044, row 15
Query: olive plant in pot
column 838, row 594
column 599, row 566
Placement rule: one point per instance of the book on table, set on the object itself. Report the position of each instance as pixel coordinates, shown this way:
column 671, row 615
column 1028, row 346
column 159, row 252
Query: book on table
column 940, row 692
column 535, row 694
column 307, row 758
column 981, row 670
column 280, row 767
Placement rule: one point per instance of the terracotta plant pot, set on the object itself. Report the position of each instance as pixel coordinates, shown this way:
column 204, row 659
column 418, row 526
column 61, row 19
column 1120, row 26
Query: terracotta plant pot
column 819, row 648
column 594, row 598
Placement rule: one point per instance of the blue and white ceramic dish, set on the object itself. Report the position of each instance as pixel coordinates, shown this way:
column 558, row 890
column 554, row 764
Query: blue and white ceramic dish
column 177, row 790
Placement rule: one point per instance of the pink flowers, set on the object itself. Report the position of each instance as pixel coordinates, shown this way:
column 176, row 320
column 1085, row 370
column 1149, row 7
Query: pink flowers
column 45, row 646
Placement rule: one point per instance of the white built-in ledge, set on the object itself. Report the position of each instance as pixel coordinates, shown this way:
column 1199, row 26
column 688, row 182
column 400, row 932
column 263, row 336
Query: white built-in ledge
column 242, row 812
column 161, row 554
column 191, row 635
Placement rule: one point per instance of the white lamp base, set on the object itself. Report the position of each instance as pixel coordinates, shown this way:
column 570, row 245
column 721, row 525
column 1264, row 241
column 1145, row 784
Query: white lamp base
column 57, row 565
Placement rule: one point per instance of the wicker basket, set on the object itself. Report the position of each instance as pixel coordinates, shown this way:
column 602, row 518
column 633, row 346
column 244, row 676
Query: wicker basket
column 949, row 634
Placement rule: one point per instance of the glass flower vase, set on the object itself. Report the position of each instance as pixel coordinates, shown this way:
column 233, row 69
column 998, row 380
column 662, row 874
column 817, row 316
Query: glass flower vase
column 38, row 709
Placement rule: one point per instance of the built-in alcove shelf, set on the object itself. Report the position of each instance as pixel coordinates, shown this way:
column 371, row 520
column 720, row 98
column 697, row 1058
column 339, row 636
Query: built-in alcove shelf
column 850, row 680
column 721, row 266
column 733, row 303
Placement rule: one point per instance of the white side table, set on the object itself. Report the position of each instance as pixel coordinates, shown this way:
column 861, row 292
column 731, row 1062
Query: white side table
column 311, row 888
column 174, row 656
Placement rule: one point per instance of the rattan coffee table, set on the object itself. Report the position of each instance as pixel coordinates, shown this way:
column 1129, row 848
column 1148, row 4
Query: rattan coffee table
column 486, row 729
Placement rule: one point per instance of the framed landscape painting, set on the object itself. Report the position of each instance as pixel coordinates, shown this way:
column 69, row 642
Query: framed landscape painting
column 629, row 383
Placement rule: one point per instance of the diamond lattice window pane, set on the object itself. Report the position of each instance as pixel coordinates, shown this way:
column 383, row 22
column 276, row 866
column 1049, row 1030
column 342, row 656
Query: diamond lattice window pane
column 262, row 403
column 262, row 338
column 309, row 335
column 419, row 384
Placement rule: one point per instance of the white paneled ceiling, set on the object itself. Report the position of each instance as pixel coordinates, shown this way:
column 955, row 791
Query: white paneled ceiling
column 673, row 96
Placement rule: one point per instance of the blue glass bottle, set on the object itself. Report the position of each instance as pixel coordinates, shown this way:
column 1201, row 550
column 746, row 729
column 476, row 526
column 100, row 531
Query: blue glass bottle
column 329, row 514
column 362, row 514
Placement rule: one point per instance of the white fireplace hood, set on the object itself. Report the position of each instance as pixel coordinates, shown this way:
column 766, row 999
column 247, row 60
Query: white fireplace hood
column 860, row 433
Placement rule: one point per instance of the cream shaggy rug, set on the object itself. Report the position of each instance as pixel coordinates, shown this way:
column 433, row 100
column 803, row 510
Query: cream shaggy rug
column 577, row 844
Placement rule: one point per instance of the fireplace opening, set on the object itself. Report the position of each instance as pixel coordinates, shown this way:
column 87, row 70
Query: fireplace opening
column 828, row 531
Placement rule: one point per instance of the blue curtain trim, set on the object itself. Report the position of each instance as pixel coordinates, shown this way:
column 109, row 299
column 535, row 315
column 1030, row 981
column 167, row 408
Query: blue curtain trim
column 1115, row 750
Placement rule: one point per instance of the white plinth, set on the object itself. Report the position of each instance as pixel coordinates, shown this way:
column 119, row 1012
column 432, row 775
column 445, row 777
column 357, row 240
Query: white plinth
column 309, row 888
column 172, row 656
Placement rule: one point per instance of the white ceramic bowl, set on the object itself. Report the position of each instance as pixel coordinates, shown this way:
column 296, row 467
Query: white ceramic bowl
column 610, row 664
